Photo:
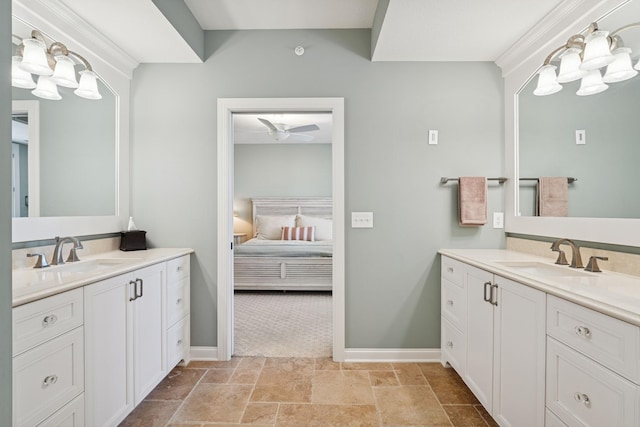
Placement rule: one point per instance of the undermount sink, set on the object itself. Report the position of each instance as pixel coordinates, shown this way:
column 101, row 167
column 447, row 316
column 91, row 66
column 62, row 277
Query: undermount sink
column 535, row 268
column 90, row 265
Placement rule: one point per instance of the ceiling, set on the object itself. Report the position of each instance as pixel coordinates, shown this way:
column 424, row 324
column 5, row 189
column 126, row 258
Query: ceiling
column 410, row 30
column 247, row 129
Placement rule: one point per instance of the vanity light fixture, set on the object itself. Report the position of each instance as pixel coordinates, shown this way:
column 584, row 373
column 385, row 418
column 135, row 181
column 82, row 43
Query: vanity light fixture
column 54, row 66
column 582, row 57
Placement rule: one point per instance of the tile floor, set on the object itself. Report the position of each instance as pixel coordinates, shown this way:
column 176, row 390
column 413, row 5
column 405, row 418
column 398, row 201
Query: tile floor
column 276, row 392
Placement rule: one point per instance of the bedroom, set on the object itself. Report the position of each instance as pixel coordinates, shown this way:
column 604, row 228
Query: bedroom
column 282, row 301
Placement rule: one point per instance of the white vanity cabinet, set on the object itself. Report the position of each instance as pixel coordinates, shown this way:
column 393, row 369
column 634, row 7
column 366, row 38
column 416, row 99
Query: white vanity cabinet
column 178, row 309
column 124, row 342
column 501, row 343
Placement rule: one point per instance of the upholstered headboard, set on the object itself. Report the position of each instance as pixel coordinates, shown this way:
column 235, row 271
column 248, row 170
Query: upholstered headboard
column 312, row 206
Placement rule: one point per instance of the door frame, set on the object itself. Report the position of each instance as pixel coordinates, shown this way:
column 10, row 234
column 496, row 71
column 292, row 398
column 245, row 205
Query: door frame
column 226, row 108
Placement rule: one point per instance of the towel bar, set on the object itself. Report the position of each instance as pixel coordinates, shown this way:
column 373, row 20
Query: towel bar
column 570, row 179
column 444, row 179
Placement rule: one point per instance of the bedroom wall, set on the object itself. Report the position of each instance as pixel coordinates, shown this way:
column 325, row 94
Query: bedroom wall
column 5, row 215
column 392, row 270
column 273, row 170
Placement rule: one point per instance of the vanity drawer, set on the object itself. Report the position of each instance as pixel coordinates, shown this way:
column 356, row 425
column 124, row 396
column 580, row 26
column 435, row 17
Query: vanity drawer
column 551, row 420
column 454, row 304
column 72, row 415
column 178, row 342
column 453, row 347
column 452, row 270
column 582, row 392
column 177, row 269
column 177, row 300
column 47, row 377
column 612, row 342
column 39, row 321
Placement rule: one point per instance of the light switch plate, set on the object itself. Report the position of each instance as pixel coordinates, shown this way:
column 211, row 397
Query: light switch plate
column 361, row 219
column 433, row 137
column 498, row 220
column 581, row 137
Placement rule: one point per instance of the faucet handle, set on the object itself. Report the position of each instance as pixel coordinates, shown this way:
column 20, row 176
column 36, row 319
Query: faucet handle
column 73, row 255
column 41, row 262
column 592, row 265
column 562, row 259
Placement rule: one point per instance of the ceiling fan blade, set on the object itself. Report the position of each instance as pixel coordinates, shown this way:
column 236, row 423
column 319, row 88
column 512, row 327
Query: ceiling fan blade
column 300, row 137
column 268, row 124
column 307, row 128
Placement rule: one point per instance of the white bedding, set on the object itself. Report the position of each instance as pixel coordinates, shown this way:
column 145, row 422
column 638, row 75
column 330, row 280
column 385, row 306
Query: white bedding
column 284, row 248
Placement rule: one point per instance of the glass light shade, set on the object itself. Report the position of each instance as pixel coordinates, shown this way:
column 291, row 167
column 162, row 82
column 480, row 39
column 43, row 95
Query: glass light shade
column 34, row 58
column 19, row 77
column 596, row 51
column 88, row 87
column 64, row 74
column 547, row 83
column 591, row 84
column 570, row 66
column 46, row 89
column 621, row 69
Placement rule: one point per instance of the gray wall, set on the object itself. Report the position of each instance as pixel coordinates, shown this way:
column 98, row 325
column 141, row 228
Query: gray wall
column 606, row 167
column 392, row 271
column 274, row 170
column 5, row 215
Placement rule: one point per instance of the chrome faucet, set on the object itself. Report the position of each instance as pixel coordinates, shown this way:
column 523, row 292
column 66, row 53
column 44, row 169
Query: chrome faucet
column 57, row 251
column 576, row 260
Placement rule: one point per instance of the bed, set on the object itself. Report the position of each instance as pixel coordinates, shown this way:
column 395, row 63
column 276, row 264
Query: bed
column 267, row 262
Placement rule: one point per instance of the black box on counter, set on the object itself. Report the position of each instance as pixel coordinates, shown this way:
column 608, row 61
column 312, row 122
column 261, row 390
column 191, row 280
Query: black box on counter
column 135, row 240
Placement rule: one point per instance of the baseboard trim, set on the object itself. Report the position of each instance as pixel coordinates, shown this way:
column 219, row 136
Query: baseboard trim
column 204, row 353
column 426, row 355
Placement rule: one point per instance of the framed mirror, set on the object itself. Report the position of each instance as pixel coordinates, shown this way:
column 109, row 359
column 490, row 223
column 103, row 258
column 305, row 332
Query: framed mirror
column 603, row 207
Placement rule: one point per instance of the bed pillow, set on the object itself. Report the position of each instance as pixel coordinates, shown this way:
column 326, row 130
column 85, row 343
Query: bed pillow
column 324, row 226
column 269, row 227
column 298, row 233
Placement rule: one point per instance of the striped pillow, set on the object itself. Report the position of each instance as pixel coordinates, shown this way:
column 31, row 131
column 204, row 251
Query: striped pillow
column 298, row 233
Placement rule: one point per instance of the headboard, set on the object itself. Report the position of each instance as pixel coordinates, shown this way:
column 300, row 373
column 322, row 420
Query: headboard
column 313, row 206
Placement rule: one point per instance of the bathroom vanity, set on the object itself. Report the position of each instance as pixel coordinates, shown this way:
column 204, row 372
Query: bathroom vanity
column 542, row 344
column 92, row 338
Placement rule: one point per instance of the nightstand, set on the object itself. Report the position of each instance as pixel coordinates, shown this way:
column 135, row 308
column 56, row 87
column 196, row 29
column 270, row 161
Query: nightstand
column 238, row 238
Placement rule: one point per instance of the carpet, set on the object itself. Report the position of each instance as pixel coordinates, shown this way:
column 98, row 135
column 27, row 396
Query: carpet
column 278, row 324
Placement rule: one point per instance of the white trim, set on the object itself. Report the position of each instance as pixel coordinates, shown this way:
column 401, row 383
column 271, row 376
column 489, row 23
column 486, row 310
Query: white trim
column 203, row 353
column 32, row 108
column 226, row 107
column 423, row 355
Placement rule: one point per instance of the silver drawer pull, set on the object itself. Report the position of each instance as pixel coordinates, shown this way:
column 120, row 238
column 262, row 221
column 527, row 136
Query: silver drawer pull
column 179, row 342
column 583, row 331
column 450, row 302
column 180, row 268
column 449, row 344
column 49, row 320
column 450, row 270
column 178, row 301
column 49, row 380
column 582, row 398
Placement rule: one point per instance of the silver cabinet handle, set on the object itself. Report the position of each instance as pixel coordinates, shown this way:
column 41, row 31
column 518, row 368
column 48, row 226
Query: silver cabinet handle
column 450, row 303
column 583, row 331
column 49, row 380
column 178, row 301
column 180, row 268
column 135, row 291
column 179, row 342
column 449, row 344
column 487, row 287
column 494, row 297
column 139, row 295
column 582, row 398
column 49, row 320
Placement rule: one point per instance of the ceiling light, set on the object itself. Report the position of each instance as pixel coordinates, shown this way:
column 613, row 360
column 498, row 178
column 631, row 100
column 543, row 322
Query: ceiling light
column 56, row 63
column 582, row 57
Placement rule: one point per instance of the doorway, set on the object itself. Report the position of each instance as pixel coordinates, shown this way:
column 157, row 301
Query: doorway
column 226, row 109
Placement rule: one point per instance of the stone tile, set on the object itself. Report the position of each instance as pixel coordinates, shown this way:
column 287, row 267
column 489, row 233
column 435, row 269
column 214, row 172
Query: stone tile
column 485, row 416
column 383, row 378
column 464, row 416
column 261, row 413
column 206, row 364
column 245, row 376
column 435, row 370
column 342, row 387
column 290, row 364
column 409, row 406
column 327, row 364
column 151, row 414
column 409, row 374
column 177, row 385
column 451, row 390
column 251, row 362
column 367, row 366
column 186, row 425
column 296, row 415
column 217, row 376
column 296, row 391
column 214, row 403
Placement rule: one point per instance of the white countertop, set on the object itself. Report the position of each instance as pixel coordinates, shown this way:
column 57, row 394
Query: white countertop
column 31, row 284
column 614, row 294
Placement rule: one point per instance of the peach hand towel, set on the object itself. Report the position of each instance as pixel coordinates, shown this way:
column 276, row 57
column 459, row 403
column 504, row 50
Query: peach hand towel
column 553, row 196
column 472, row 200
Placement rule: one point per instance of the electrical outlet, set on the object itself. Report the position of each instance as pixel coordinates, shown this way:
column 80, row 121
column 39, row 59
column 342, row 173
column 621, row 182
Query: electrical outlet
column 433, row 137
column 498, row 220
column 361, row 219
column 581, row 137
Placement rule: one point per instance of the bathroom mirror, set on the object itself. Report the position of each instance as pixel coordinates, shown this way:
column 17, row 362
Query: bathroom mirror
column 519, row 67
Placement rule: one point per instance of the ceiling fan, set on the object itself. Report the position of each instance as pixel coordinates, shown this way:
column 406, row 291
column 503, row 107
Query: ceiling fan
column 280, row 132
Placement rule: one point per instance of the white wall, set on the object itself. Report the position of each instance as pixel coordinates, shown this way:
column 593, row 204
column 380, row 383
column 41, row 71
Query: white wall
column 392, row 271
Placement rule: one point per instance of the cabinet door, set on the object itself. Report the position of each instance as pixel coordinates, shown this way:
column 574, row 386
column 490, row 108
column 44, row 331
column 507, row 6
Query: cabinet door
column 479, row 372
column 108, row 356
column 519, row 355
column 148, row 330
